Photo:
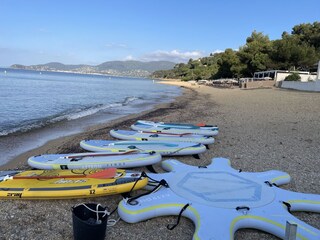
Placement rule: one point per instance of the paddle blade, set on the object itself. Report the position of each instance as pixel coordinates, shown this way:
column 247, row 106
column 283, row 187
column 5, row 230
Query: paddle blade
column 106, row 173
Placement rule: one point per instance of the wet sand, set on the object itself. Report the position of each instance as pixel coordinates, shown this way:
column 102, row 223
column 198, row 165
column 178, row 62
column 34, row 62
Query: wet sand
column 260, row 130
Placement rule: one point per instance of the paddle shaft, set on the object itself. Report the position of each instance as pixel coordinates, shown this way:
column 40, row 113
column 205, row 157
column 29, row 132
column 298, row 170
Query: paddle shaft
column 174, row 134
column 100, row 154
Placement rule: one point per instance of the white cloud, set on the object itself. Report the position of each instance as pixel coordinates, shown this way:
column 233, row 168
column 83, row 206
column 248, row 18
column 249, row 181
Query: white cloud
column 128, row 58
column 174, row 56
column 220, row 51
column 217, row 51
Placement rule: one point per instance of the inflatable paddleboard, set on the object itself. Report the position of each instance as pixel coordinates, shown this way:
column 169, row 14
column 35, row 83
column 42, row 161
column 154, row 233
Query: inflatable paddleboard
column 94, row 160
column 63, row 184
column 221, row 200
column 174, row 137
column 161, row 147
column 202, row 129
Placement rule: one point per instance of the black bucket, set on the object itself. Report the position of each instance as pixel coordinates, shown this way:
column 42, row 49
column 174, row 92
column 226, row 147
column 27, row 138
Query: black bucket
column 89, row 221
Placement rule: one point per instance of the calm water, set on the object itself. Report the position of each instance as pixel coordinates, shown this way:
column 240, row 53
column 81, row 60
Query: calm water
column 37, row 101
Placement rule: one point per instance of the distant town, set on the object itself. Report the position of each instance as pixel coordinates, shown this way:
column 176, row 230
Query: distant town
column 114, row 68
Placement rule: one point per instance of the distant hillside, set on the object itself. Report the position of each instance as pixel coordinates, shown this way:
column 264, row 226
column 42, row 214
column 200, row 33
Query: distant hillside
column 116, row 68
column 133, row 65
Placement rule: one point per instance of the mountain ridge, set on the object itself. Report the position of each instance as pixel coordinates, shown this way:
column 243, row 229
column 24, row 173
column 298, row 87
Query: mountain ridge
column 116, row 68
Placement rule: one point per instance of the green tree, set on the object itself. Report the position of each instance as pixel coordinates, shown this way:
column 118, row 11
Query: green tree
column 308, row 33
column 298, row 50
column 255, row 53
column 229, row 65
column 290, row 53
column 181, row 70
column 293, row 77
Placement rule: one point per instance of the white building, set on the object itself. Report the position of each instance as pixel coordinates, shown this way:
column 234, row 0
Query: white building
column 280, row 75
column 318, row 72
column 311, row 86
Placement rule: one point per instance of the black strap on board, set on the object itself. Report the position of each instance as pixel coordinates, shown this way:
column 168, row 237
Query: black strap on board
column 132, row 200
column 126, row 195
column 172, row 226
column 288, row 205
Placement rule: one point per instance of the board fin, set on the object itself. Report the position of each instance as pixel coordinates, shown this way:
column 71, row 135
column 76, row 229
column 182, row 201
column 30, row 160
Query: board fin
column 196, row 156
column 151, row 169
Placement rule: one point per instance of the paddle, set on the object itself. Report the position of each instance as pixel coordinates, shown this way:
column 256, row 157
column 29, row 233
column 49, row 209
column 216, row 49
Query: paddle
column 174, row 134
column 205, row 125
column 99, row 154
column 103, row 174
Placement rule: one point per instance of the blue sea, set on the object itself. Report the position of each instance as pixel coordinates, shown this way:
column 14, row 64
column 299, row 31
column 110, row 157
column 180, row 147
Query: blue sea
column 33, row 100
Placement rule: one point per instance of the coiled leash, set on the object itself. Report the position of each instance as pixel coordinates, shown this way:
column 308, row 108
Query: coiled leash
column 110, row 222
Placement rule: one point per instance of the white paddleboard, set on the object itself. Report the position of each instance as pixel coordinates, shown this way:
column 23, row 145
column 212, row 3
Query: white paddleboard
column 202, row 129
column 164, row 148
column 155, row 136
column 94, row 160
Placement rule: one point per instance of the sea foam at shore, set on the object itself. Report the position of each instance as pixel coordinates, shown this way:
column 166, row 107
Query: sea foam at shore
column 39, row 106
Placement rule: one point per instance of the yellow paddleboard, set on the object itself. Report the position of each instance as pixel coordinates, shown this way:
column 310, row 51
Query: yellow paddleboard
column 63, row 184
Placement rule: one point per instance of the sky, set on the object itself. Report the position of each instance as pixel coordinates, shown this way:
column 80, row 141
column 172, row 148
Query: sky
column 96, row 31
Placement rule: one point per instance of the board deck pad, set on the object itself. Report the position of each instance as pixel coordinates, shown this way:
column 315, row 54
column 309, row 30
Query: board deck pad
column 221, row 189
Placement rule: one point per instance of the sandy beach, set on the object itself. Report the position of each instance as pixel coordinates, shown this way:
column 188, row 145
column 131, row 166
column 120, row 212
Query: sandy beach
column 260, row 130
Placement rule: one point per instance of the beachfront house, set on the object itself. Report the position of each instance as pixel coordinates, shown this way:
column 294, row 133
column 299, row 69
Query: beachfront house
column 312, row 84
column 280, row 75
column 310, row 81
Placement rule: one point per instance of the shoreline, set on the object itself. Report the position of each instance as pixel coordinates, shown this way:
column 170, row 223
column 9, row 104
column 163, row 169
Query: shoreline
column 30, row 126
column 19, row 142
column 57, row 145
column 260, row 130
